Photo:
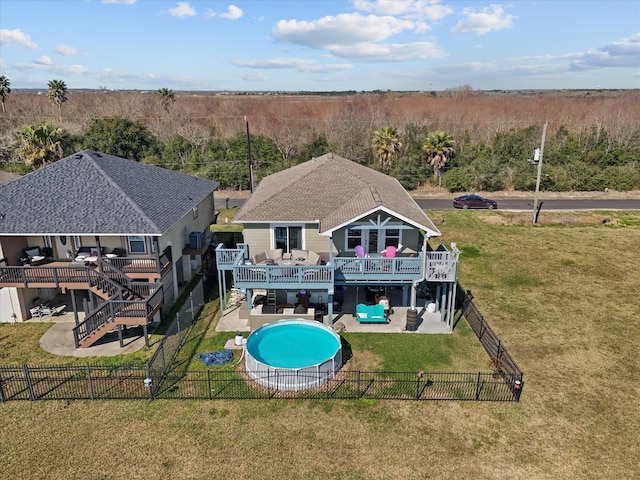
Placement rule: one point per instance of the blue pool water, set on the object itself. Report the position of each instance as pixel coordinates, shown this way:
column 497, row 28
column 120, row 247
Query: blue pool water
column 292, row 344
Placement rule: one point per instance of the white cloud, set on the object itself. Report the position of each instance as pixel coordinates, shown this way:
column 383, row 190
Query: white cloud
column 355, row 37
column 490, row 19
column 625, row 53
column 254, row 77
column 183, row 9
column 43, row 60
column 396, row 52
column 343, row 29
column 66, row 50
column 15, row 38
column 429, row 9
column 232, row 13
column 42, row 66
column 298, row 64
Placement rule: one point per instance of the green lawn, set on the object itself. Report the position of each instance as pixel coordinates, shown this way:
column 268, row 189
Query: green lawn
column 562, row 295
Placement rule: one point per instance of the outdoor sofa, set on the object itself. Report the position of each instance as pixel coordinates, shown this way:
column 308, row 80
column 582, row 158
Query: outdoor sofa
column 371, row 313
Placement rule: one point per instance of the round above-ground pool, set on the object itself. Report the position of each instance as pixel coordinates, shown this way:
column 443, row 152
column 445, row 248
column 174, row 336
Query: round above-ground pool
column 293, row 354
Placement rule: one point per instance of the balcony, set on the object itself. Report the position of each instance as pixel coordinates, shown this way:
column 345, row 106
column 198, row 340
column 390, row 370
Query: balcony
column 441, row 266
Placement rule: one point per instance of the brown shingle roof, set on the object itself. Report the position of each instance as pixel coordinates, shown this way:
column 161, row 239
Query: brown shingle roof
column 332, row 190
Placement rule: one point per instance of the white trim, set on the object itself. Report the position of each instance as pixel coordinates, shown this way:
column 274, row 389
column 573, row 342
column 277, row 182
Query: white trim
column 430, row 231
column 272, row 232
column 141, row 239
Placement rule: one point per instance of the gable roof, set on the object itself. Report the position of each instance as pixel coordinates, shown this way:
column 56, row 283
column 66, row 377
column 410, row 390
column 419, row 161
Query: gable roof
column 332, row 191
column 94, row 193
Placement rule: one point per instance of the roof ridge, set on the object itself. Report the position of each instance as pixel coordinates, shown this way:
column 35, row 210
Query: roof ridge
column 117, row 187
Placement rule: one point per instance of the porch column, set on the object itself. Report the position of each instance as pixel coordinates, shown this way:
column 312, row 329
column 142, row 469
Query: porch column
column 405, row 294
column 443, row 301
column 99, row 254
column 74, row 306
column 157, row 249
column 120, row 336
column 146, row 335
column 329, row 309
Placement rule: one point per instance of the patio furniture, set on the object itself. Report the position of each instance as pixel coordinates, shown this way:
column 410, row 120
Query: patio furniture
column 370, row 313
column 359, row 251
column 389, row 252
column 33, row 256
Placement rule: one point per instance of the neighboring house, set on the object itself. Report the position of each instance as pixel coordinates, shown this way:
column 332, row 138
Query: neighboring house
column 328, row 224
column 126, row 233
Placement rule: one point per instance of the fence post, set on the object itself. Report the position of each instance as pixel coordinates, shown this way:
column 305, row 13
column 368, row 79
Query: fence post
column 27, row 376
column 90, row 384
column 209, row 384
column 358, row 382
column 478, row 386
column 179, row 332
column 2, row 398
column 148, row 382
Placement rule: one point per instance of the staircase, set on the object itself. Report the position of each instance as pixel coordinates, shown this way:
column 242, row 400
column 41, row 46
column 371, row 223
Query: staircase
column 126, row 304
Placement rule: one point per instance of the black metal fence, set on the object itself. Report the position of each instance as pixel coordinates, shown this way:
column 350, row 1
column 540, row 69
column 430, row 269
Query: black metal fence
column 157, row 379
column 501, row 361
column 173, row 337
column 212, row 385
column 102, row 383
column 72, row 382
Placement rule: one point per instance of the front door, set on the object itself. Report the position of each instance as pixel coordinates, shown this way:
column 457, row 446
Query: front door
column 373, row 241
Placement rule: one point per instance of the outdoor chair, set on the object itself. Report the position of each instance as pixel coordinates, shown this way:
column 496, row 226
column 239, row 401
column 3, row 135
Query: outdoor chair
column 370, row 313
column 389, row 252
column 360, row 251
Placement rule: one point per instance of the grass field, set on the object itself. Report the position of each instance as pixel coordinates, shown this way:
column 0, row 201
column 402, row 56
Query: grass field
column 562, row 295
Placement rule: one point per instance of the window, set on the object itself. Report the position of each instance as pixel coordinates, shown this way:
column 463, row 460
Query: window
column 195, row 211
column 288, row 238
column 136, row 244
column 392, row 237
column 47, row 241
column 354, row 238
column 77, row 242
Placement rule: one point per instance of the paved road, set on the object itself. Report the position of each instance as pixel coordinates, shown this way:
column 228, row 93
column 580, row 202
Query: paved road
column 504, row 204
column 521, row 204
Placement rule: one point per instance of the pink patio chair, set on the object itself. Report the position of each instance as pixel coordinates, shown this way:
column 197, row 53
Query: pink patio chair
column 360, row 251
column 389, row 252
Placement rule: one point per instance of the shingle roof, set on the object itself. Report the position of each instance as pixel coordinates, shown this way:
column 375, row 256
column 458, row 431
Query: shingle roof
column 332, row 190
column 94, row 193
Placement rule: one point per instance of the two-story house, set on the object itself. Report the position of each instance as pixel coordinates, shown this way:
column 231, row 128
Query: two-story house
column 125, row 233
column 330, row 226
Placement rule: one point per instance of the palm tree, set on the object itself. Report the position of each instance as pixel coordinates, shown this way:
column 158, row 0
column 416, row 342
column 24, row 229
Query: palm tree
column 57, row 94
column 439, row 147
column 167, row 97
column 5, row 90
column 386, row 146
column 39, row 145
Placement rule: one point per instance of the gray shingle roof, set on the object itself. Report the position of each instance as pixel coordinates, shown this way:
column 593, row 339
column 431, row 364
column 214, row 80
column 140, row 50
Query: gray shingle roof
column 94, row 193
column 332, row 190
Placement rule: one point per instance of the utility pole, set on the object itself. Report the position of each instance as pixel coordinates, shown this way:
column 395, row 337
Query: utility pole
column 537, row 159
column 249, row 156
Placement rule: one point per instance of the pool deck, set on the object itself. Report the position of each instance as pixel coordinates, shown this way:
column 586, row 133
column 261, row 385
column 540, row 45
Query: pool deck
column 429, row 323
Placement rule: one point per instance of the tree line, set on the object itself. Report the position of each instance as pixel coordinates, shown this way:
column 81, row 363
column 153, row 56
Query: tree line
column 416, row 151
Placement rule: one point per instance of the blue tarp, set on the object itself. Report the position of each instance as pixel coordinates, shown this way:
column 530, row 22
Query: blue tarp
column 216, row 358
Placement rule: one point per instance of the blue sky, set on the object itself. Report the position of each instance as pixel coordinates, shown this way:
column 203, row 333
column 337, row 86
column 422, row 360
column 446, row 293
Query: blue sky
column 329, row 45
